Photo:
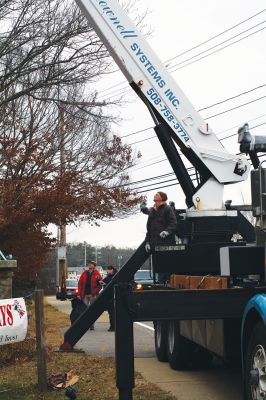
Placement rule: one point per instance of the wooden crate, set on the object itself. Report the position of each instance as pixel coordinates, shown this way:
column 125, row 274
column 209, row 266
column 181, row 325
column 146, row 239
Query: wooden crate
column 179, row 281
column 198, row 282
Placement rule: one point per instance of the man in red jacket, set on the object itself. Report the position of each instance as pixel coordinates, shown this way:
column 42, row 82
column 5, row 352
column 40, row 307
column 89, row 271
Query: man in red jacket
column 88, row 285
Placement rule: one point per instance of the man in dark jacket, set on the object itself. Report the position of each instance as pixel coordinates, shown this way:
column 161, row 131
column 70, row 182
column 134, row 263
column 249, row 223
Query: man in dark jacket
column 111, row 271
column 161, row 225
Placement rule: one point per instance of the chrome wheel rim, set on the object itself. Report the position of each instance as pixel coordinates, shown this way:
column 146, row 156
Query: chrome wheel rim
column 258, row 390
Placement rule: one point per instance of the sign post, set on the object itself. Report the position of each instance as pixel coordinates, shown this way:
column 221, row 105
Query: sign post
column 40, row 337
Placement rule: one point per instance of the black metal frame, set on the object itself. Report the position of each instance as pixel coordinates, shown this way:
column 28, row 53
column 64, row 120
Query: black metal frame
column 82, row 324
column 156, row 305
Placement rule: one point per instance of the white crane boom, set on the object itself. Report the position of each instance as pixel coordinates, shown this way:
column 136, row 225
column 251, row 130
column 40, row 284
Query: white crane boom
column 144, row 70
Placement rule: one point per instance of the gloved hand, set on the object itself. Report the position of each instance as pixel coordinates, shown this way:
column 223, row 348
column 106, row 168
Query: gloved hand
column 147, row 247
column 164, row 234
column 143, row 208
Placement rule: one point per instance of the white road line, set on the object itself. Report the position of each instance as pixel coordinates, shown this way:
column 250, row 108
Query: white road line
column 144, row 326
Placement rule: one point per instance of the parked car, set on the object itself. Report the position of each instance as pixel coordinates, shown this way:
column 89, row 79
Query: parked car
column 143, row 279
column 71, row 289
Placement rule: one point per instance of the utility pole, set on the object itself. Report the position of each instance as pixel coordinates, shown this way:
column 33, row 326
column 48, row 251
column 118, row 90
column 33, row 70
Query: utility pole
column 62, row 260
column 62, row 227
column 85, row 255
column 57, row 277
column 97, row 254
column 119, row 259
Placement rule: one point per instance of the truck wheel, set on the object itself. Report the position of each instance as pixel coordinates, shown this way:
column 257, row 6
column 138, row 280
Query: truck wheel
column 180, row 349
column 160, row 337
column 255, row 365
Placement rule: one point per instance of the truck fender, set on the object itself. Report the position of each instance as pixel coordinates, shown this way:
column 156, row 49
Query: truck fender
column 254, row 312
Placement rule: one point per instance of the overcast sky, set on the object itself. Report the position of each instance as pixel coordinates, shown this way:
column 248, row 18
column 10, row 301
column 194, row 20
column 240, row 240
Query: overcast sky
column 179, row 26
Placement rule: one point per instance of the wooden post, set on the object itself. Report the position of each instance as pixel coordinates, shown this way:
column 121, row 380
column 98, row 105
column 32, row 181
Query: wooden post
column 40, row 338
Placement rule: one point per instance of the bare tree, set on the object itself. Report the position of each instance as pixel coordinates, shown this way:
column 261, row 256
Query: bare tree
column 50, row 42
column 48, row 53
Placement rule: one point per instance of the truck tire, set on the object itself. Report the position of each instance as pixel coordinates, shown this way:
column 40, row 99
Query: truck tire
column 180, row 350
column 255, row 371
column 160, row 337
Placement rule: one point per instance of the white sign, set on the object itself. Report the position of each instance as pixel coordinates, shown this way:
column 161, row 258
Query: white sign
column 13, row 320
column 61, row 252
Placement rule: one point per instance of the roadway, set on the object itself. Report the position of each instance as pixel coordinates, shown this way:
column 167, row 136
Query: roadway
column 218, row 383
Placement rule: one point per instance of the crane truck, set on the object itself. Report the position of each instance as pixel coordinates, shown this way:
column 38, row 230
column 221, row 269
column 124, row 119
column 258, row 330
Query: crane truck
column 215, row 303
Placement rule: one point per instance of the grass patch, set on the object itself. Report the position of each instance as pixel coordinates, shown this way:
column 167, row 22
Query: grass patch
column 18, row 372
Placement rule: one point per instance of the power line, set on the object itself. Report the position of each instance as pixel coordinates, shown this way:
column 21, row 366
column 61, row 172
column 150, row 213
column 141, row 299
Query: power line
column 214, row 37
column 149, row 179
column 232, row 98
column 160, row 187
column 113, row 86
column 143, row 140
column 237, row 126
column 134, row 133
column 234, row 108
column 152, row 184
column 149, row 165
column 174, row 184
column 216, row 51
column 219, row 44
column 197, row 46
column 234, row 134
column 126, row 90
column 164, row 176
column 123, row 89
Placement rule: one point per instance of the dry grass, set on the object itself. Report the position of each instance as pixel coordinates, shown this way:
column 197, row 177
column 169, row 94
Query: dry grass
column 18, row 373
